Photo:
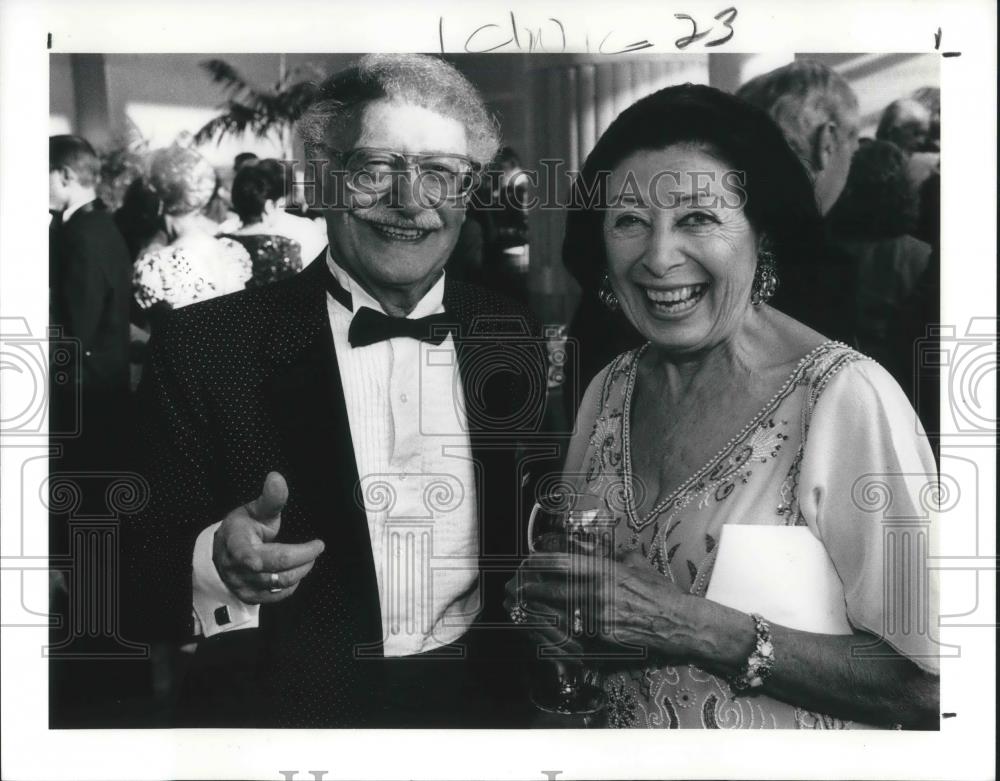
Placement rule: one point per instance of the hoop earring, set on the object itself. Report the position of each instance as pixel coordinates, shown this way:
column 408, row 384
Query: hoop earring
column 765, row 278
column 607, row 295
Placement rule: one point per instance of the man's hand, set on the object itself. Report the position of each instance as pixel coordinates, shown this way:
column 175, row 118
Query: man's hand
column 254, row 568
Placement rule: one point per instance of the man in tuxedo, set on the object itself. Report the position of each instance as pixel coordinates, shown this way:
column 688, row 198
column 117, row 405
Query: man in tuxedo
column 90, row 291
column 335, row 461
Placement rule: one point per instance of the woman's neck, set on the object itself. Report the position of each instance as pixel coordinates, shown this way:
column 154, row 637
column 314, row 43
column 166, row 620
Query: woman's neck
column 678, row 375
column 185, row 228
column 742, row 360
column 253, row 227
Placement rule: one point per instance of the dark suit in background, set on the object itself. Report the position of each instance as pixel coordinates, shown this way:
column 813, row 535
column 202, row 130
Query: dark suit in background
column 90, row 295
column 92, row 291
column 90, row 418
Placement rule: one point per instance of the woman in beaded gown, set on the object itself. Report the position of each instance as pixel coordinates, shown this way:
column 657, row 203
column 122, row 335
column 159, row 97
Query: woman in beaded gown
column 733, row 414
column 257, row 199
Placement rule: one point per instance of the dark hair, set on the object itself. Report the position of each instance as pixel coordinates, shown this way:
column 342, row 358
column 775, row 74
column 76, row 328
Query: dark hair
column 242, row 159
column 253, row 186
column 282, row 176
column 139, row 218
column 879, row 200
column 76, row 154
column 779, row 195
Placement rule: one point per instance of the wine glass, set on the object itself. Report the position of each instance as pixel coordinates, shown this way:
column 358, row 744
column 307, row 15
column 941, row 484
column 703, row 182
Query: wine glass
column 564, row 522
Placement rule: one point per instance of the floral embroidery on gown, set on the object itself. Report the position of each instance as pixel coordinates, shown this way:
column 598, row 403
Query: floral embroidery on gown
column 179, row 276
column 753, row 479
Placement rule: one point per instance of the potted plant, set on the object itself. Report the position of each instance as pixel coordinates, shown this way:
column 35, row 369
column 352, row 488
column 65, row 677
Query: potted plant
column 263, row 112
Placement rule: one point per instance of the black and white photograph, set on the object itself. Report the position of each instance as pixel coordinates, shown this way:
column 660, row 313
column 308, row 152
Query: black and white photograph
column 410, row 389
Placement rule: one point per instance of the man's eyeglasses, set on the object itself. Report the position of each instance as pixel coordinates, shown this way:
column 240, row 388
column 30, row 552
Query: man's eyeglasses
column 439, row 176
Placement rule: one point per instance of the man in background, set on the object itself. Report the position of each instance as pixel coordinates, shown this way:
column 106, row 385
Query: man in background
column 90, row 293
column 818, row 112
column 89, row 415
column 907, row 124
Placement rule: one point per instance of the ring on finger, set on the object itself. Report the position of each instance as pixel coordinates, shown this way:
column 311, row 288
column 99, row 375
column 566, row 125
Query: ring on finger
column 275, row 583
column 519, row 613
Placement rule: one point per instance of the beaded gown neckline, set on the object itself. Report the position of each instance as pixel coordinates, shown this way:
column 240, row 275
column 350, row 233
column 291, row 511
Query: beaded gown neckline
column 631, row 511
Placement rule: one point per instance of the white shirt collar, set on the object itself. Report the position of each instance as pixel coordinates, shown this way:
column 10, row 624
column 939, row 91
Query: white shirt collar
column 431, row 303
column 69, row 211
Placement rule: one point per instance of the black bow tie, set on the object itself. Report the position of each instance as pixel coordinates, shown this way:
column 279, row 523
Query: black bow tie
column 369, row 326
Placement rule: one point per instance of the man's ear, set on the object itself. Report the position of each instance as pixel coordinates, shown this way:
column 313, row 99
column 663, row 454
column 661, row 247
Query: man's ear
column 67, row 175
column 824, row 145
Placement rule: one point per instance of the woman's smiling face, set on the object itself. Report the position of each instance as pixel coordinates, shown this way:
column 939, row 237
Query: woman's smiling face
column 681, row 252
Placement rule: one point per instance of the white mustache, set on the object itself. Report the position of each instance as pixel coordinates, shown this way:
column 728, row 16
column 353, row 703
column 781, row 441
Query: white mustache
column 381, row 215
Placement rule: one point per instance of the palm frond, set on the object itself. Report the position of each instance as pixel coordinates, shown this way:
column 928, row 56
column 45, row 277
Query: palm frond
column 262, row 112
column 225, row 74
column 236, row 119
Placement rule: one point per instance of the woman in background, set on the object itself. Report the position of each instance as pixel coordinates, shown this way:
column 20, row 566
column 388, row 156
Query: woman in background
column 310, row 233
column 257, row 199
column 193, row 265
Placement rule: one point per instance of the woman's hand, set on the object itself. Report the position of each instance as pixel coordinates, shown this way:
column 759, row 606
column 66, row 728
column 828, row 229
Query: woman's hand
column 623, row 603
column 549, row 627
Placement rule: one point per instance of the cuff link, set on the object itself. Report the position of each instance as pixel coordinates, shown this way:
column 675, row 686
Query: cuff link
column 222, row 616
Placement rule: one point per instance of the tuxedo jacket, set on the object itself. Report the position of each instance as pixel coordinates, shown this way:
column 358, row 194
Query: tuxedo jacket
column 91, row 291
column 249, row 383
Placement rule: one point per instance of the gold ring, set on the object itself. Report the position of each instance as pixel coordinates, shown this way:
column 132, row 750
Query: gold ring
column 275, row 583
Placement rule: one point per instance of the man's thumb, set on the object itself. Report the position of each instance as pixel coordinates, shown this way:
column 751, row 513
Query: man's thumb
column 267, row 507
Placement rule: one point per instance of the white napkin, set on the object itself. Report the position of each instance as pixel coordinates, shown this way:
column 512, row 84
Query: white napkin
column 781, row 572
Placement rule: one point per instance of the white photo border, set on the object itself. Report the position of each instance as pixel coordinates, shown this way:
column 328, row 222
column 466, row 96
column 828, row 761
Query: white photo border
column 963, row 746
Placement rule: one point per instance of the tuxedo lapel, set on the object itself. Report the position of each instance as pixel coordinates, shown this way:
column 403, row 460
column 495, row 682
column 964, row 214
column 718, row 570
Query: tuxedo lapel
column 305, row 398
